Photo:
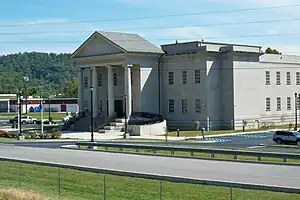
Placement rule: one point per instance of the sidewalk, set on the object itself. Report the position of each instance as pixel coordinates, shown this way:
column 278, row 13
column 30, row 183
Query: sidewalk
column 100, row 136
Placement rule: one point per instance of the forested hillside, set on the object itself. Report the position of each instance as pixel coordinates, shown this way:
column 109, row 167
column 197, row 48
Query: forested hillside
column 49, row 74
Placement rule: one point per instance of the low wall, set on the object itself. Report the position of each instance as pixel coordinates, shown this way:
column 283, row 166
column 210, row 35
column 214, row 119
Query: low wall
column 148, row 130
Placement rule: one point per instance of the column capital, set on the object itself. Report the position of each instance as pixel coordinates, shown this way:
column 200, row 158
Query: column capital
column 127, row 65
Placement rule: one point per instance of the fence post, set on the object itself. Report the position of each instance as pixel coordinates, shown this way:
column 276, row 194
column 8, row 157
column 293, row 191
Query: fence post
column 20, row 175
column 104, row 186
column 59, row 181
column 230, row 193
column 160, row 190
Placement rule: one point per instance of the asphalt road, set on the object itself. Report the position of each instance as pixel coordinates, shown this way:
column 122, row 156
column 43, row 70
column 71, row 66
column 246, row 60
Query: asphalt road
column 234, row 172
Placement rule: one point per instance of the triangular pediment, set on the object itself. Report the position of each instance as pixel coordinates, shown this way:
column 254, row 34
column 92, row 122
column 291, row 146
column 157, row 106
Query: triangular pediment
column 97, row 45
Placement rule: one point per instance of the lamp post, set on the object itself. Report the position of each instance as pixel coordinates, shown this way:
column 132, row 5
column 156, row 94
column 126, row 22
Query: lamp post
column 26, row 79
column 296, row 109
column 20, row 114
column 49, row 110
column 125, row 109
column 92, row 114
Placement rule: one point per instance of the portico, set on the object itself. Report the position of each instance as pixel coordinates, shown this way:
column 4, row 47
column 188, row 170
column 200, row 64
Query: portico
column 117, row 65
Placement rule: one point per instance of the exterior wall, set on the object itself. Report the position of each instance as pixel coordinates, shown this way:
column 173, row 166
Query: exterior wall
column 227, row 93
column 178, row 91
column 251, row 90
column 213, row 91
column 148, row 130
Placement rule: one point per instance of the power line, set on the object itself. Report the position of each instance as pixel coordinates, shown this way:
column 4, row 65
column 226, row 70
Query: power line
column 153, row 17
column 157, row 27
column 159, row 39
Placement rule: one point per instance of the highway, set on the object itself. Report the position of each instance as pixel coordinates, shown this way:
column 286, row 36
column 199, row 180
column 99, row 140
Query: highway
column 235, row 172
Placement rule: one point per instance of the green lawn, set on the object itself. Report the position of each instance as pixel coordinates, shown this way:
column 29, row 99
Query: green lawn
column 2, row 139
column 78, row 185
column 54, row 115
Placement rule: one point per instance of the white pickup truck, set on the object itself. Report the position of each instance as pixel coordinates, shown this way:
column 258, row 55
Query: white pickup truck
column 24, row 120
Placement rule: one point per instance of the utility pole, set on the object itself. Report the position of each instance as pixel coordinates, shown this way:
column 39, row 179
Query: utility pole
column 42, row 116
column 125, row 108
column 296, row 110
column 92, row 114
column 20, row 115
column 26, row 98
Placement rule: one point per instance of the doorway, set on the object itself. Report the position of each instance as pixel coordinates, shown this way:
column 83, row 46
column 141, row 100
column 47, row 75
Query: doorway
column 119, row 108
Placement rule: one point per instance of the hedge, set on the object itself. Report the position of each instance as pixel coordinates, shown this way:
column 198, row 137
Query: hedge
column 52, row 135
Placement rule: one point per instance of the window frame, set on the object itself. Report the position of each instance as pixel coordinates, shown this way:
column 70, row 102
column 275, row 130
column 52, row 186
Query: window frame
column 171, row 80
column 184, row 106
column 184, row 77
column 268, row 104
column 278, row 104
column 197, row 76
column 171, row 104
column 268, row 77
column 278, row 78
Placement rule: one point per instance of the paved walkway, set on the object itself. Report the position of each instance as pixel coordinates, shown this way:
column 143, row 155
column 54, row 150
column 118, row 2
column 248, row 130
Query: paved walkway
column 101, row 136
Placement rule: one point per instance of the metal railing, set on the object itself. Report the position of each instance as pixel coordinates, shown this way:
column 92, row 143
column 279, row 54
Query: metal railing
column 192, row 151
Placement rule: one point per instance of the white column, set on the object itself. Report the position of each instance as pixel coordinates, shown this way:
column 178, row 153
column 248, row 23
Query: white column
column 95, row 95
column 128, row 90
column 8, row 106
column 80, row 91
column 110, row 91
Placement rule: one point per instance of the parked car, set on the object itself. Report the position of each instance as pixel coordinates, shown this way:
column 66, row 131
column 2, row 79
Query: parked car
column 45, row 121
column 286, row 137
column 66, row 118
column 24, row 120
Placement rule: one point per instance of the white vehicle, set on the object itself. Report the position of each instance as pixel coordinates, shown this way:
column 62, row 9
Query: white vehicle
column 28, row 120
column 66, row 118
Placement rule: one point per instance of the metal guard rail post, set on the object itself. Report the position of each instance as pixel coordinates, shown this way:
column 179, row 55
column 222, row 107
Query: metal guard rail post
column 235, row 153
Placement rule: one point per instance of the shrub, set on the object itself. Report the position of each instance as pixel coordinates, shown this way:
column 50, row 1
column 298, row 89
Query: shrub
column 50, row 135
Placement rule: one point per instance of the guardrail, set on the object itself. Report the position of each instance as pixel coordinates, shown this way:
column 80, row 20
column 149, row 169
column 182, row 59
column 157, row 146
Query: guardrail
column 192, row 151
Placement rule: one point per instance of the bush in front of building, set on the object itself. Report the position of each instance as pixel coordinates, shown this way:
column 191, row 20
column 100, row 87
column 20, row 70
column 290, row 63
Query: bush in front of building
column 49, row 135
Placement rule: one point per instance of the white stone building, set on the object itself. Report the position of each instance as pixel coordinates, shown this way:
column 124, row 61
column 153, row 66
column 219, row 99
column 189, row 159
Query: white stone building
column 218, row 84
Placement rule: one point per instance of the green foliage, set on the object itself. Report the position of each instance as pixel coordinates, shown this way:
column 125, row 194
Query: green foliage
column 272, row 51
column 50, row 135
column 49, row 74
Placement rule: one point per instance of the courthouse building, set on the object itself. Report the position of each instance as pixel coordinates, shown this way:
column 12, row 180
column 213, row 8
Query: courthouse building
column 218, row 84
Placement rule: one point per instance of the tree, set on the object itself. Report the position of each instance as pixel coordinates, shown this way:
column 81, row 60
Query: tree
column 272, row 51
column 48, row 73
column 70, row 90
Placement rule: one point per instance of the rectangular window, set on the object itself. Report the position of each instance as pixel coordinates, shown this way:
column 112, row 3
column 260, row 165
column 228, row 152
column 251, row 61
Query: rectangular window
column 86, row 82
column 171, row 78
column 268, row 104
column 197, row 76
column 288, row 78
column 85, row 104
column 115, row 77
column 288, row 103
column 278, row 82
column 268, row 78
column 171, row 106
column 184, row 77
column 184, row 105
column 278, row 104
column 198, row 106
column 99, row 80
column 297, row 78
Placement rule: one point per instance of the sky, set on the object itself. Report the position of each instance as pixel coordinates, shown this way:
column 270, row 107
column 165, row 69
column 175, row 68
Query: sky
column 62, row 25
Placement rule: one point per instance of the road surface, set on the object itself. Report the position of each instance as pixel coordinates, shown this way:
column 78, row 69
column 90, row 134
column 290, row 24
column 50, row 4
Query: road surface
column 235, row 172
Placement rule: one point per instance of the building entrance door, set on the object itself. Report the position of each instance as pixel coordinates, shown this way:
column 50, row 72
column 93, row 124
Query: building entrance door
column 119, row 108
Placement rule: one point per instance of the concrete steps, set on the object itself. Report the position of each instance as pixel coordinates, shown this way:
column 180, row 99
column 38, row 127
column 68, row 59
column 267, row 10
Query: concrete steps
column 116, row 127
